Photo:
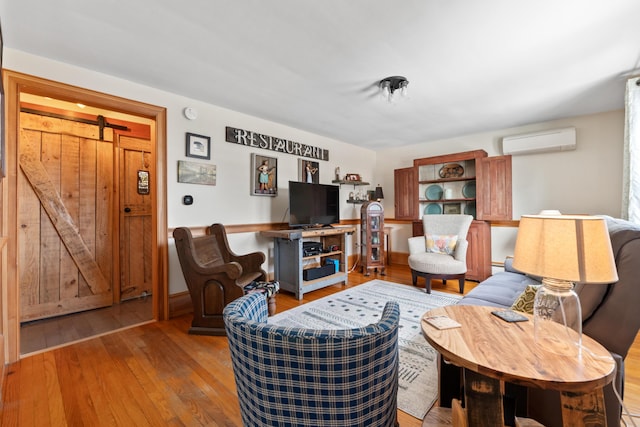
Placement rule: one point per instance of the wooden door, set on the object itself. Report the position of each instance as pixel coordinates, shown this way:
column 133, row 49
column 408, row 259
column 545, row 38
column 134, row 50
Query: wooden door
column 404, row 183
column 65, row 205
column 494, row 188
column 135, row 217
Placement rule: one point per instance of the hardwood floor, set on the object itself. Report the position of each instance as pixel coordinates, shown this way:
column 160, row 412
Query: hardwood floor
column 50, row 333
column 156, row 374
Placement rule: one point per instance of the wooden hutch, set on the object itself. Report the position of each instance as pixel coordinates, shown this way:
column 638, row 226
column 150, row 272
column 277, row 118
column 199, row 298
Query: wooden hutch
column 462, row 183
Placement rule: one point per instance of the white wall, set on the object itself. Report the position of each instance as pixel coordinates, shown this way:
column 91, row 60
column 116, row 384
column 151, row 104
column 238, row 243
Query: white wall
column 587, row 180
column 229, row 201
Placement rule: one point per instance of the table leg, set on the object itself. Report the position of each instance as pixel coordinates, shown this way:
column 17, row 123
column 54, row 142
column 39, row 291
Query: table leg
column 387, row 235
column 583, row 409
column 483, row 400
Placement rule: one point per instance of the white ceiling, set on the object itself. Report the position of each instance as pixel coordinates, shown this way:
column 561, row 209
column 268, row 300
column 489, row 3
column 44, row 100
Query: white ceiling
column 314, row 65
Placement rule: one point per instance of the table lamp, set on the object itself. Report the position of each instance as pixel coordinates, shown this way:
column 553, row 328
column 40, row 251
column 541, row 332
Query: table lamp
column 378, row 195
column 563, row 250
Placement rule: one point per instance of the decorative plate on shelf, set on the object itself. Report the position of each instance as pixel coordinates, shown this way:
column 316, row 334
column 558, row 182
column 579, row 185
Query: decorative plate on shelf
column 451, row 170
column 433, row 209
column 433, row 192
column 469, row 190
column 470, row 209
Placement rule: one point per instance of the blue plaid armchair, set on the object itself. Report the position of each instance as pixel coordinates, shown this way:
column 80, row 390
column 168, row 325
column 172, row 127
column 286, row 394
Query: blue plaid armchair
column 305, row 377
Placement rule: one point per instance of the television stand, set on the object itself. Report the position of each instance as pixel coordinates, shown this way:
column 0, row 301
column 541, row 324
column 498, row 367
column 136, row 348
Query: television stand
column 289, row 260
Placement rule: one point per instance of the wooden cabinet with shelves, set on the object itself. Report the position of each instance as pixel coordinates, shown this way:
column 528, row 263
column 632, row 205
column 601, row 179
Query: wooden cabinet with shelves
column 462, row 183
column 372, row 237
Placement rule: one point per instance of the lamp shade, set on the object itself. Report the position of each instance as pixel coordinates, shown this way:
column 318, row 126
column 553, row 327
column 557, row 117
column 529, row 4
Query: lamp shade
column 378, row 193
column 573, row 248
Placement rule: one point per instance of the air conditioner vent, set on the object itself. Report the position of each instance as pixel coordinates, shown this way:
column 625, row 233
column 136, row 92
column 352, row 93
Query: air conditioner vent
column 540, row 142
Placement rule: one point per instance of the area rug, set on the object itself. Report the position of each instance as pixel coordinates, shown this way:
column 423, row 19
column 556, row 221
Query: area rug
column 362, row 305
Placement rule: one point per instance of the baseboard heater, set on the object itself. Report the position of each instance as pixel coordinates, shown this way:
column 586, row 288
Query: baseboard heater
column 540, row 142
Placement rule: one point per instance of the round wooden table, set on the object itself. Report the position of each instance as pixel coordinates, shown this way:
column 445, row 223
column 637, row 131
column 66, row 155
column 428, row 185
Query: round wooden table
column 491, row 350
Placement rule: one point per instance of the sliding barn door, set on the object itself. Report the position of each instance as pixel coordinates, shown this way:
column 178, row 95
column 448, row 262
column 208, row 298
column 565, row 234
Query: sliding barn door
column 65, row 217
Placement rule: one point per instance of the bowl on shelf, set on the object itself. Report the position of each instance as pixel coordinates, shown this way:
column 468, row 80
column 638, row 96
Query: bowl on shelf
column 451, row 170
column 470, row 209
column 433, row 209
column 469, row 190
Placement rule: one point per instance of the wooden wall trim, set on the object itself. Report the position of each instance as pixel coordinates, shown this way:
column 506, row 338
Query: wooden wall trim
column 503, row 223
column 512, row 223
column 180, row 304
column 200, row 230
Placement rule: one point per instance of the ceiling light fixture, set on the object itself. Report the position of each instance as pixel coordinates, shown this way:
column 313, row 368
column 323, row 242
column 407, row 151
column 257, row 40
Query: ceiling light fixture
column 390, row 85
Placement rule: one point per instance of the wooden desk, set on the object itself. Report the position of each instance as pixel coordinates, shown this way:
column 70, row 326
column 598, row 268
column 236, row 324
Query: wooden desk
column 491, row 351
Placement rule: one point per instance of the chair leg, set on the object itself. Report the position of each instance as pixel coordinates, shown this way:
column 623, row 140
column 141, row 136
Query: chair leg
column 461, row 284
column 428, row 284
column 414, row 277
column 271, row 304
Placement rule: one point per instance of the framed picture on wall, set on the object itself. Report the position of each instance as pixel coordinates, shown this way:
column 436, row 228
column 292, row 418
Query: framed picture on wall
column 308, row 171
column 264, row 176
column 198, row 146
column 197, row 173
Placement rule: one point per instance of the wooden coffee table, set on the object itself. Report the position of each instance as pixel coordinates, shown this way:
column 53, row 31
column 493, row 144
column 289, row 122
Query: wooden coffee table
column 492, row 351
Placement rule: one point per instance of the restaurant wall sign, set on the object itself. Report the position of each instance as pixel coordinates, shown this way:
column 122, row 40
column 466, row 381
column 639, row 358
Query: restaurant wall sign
column 266, row 142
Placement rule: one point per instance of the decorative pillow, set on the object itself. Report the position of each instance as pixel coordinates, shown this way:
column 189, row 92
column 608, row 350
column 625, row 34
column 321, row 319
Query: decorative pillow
column 524, row 302
column 441, row 243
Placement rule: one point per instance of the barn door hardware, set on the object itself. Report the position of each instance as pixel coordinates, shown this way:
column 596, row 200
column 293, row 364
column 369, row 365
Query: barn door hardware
column 100, row 121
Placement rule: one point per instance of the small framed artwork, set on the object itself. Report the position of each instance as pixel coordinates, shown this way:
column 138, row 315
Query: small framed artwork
column 352, row 177
column 451, row 208
column 196, row 173
column 308, row 171
column 264, row 177
column 198, row 146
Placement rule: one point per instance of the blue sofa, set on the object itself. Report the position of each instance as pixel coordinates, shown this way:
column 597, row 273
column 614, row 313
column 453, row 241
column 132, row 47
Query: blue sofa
column 609, row 315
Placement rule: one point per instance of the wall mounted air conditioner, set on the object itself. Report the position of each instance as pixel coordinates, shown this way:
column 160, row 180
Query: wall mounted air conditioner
column 540, row 142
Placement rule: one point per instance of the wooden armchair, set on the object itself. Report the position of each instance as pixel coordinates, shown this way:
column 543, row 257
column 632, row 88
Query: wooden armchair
column 214, row 274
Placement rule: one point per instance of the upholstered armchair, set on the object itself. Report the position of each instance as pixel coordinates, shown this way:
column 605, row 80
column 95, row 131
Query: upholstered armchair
column 442, row 252
column 214, row 274
column 304, row 377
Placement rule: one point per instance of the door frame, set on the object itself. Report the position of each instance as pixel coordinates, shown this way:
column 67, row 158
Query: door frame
column 16, row 83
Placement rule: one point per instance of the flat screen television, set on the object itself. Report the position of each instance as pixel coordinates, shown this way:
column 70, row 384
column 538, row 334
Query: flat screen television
column 313, row 205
